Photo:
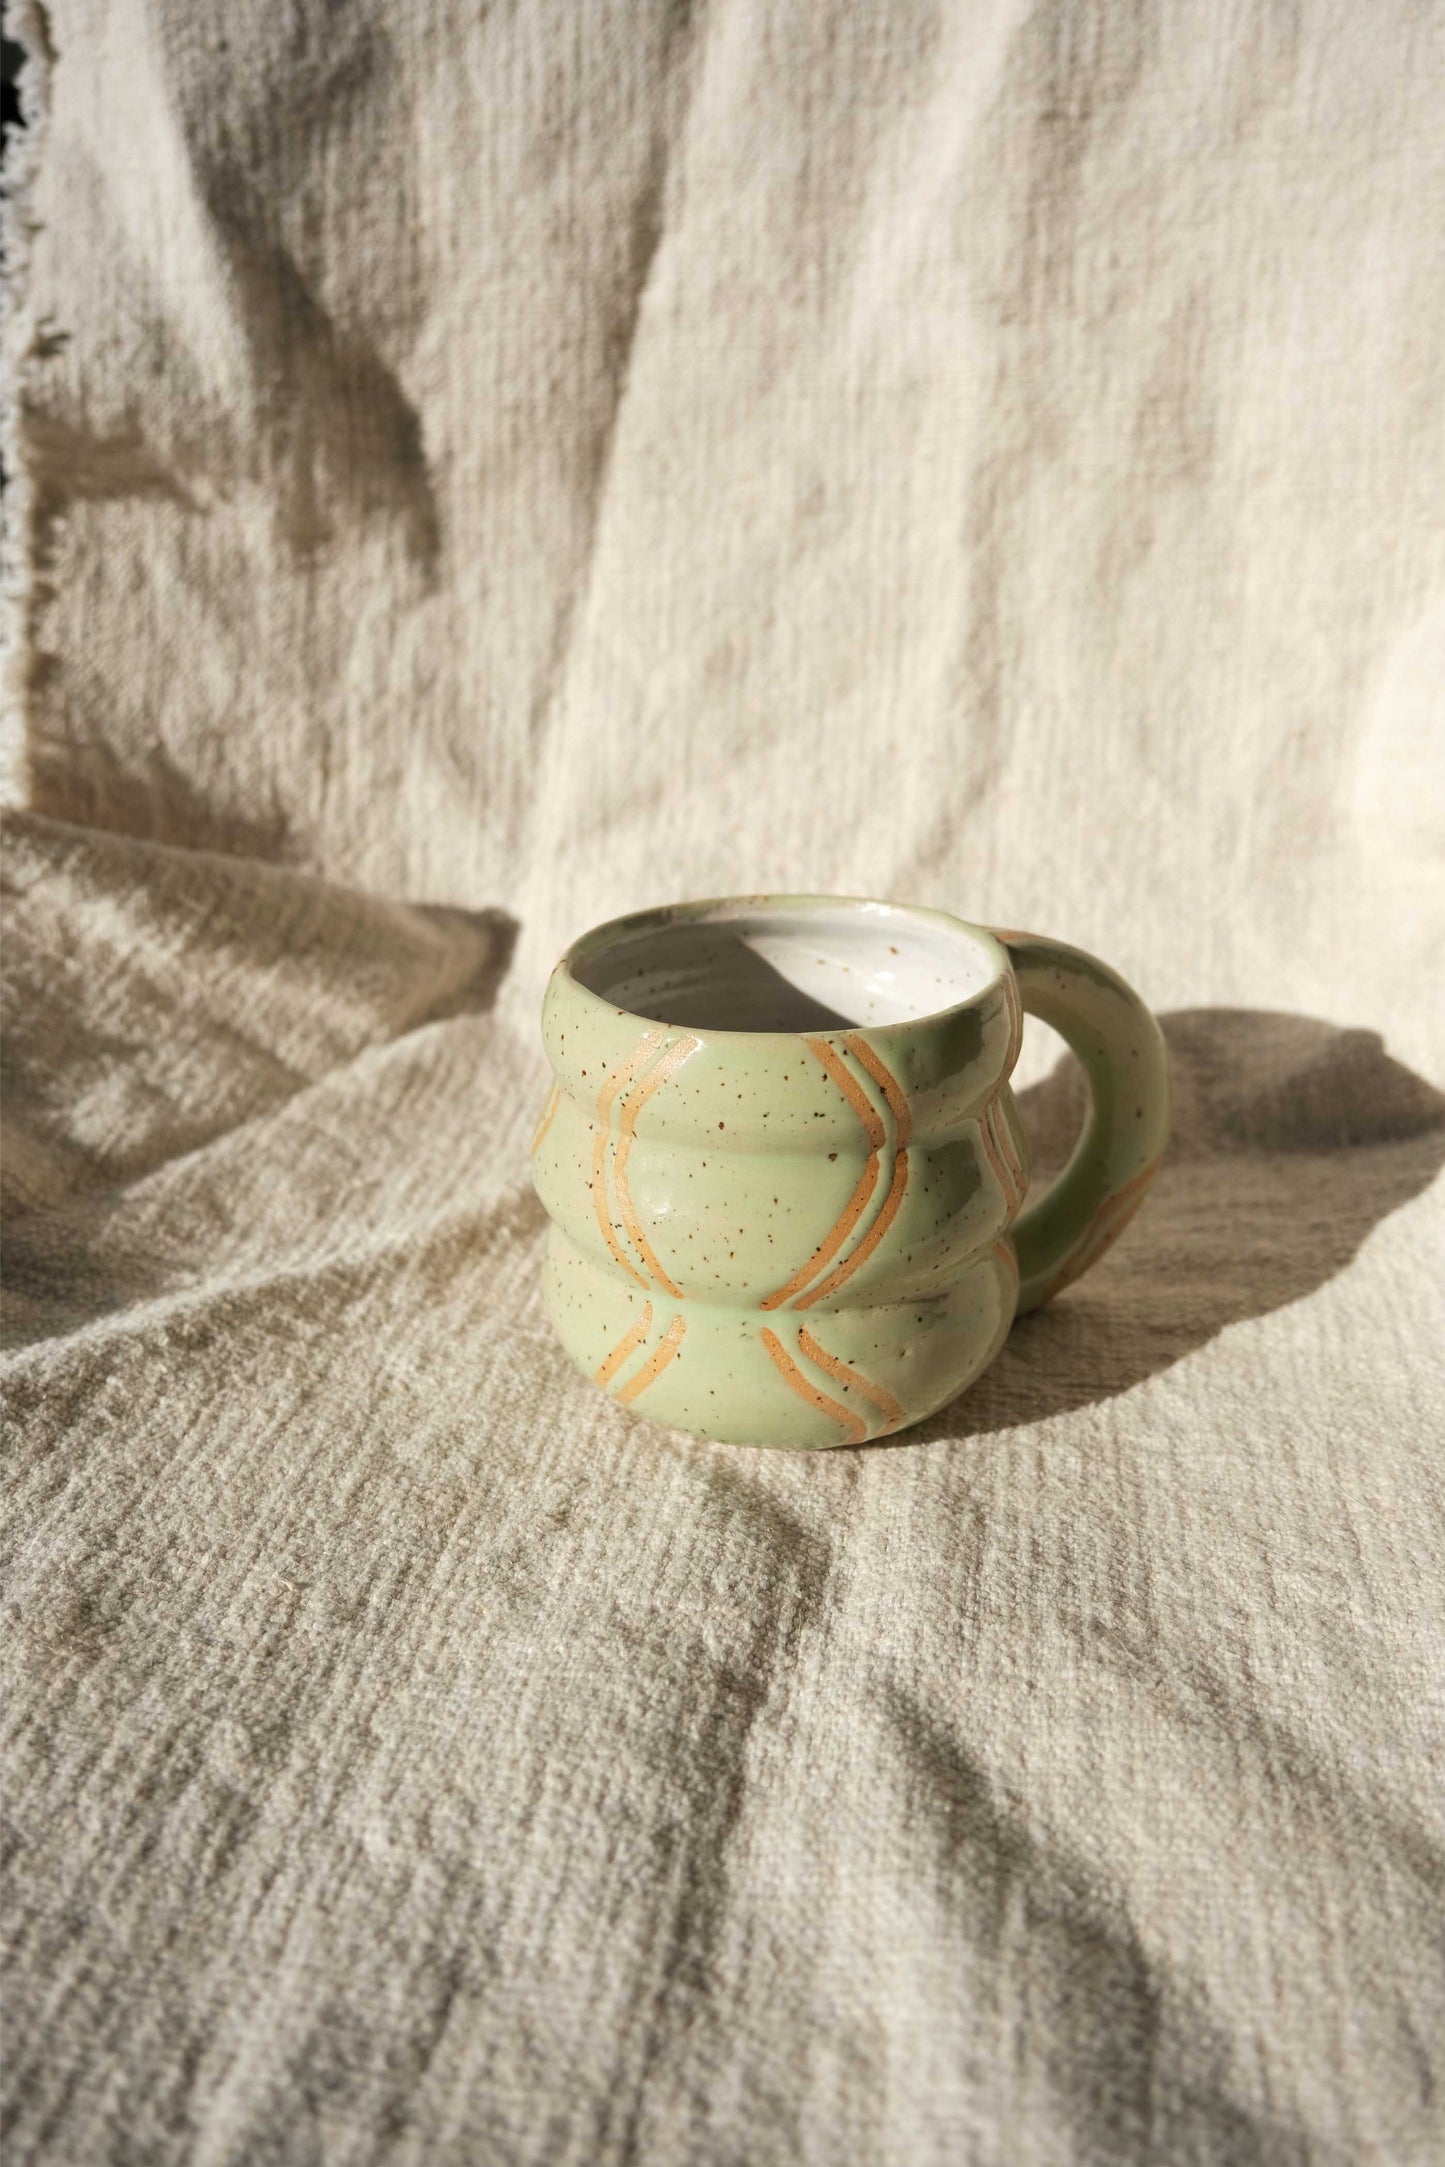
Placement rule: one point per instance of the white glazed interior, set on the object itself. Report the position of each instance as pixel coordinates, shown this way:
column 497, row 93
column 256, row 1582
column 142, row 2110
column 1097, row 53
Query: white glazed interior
column 741, row 966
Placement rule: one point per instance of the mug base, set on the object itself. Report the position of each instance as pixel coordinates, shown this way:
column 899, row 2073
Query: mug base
column 787, row 1379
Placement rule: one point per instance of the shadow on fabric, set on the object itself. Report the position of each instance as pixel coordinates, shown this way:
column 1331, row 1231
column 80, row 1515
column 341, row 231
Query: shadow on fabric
column 1292, row 1139
column 162, row 1006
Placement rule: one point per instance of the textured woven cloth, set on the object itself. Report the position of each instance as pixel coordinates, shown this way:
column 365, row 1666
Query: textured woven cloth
column 480, row 470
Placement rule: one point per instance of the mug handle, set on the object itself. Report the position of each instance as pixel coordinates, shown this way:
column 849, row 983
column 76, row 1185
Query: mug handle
column 1121, row 1047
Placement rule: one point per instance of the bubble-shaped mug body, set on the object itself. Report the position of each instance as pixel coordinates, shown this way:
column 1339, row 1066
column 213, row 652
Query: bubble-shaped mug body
column 785, row 1170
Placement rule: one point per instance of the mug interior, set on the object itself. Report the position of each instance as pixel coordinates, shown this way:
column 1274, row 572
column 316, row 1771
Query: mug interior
column 772, row 965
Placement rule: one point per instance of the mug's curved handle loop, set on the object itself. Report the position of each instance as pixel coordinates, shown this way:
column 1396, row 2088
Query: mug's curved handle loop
column 1121, row 1047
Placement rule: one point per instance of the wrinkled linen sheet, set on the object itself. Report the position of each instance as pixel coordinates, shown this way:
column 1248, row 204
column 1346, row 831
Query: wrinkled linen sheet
column 483, row 470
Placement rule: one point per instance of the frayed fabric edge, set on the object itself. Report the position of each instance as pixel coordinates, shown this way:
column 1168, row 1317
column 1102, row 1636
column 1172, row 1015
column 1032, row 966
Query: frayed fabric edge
column 29, row 28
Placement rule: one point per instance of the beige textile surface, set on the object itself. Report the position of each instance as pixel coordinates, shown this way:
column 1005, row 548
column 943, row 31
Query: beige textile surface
column 485, row 468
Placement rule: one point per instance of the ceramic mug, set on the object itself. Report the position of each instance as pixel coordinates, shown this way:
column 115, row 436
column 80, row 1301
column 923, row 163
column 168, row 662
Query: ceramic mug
column 785, row 1170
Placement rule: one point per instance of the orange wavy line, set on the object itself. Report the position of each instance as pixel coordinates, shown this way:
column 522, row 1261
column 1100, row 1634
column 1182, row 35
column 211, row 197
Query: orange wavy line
column 1106, row 1225
column 612, row 1083
column 792, row 1376
column 870, row 1240
column 604, row 1216
column 1013, row 1001
column 879, row 1394
column 1004, row 1250
column 1118, row 1207
column 608, row 1369
column 852, row 1211
column 989, row 1146
column 1004, row 1144
column 996, row 1158
column 656, row 1363
column 616, row 1077
column 1100, row 1241
column 554, row 1100
column 1003, row 1133
column 851, row 1089
column 833, row 1240
column 681, row 1050
column 887, row 1083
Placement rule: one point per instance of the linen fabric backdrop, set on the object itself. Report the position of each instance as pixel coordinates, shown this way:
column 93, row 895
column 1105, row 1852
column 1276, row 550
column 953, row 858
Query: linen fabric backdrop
column 479, row 469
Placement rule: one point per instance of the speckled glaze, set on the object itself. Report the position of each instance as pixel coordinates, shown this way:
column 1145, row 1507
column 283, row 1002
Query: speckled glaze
column 813, row 1237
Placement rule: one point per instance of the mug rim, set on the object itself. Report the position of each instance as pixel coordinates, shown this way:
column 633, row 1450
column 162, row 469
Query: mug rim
column 597, row 938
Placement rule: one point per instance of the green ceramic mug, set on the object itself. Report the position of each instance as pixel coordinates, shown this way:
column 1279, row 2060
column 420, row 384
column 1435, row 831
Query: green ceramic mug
column 785, row 1170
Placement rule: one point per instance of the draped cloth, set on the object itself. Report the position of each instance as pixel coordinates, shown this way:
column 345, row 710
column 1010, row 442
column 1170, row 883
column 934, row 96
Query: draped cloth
column 475, row 471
